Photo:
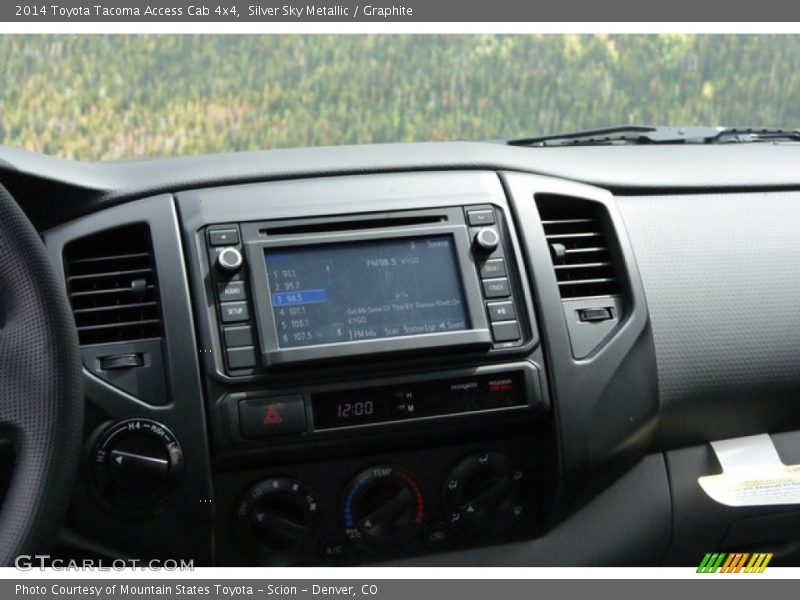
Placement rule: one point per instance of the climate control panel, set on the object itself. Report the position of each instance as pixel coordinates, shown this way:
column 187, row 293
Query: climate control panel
column 355, row 511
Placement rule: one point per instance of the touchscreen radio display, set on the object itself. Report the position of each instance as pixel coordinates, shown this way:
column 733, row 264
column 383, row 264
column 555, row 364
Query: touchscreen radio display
column 358, row 291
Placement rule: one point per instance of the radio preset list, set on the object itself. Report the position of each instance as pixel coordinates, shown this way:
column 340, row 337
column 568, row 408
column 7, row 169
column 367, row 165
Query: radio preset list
column 356, row 291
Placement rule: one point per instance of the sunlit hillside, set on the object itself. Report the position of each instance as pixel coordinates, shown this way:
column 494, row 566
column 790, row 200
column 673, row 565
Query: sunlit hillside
column 110, row 97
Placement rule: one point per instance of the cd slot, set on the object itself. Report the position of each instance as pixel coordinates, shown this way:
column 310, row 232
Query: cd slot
column 315, row 227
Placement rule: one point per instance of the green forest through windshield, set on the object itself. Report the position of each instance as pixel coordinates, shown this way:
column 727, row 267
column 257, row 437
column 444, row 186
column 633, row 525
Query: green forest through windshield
column 101, row 97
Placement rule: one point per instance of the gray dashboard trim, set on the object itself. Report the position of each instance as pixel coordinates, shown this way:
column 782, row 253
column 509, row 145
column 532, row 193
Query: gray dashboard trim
column 52, row 190
column 723, row 286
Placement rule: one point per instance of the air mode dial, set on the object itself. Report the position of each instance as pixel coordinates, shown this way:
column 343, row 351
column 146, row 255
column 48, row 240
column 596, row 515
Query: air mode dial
column 484, row 493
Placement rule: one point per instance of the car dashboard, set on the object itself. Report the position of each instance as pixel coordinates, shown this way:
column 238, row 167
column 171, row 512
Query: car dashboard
column 443, row 354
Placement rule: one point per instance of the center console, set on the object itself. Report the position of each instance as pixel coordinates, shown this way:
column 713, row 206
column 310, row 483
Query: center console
column 353, row 369
column 372, row 365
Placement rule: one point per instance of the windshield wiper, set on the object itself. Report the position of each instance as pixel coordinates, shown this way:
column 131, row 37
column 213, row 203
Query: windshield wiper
column 642, row 135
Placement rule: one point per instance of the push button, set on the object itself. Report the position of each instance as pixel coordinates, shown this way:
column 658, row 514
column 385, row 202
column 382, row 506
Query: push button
column 223, row 237
column 238, row 336
column 265, row 417
column 507, row 331
column 480, row 217
column 241, row 358
column 234, row 312
column 232, row 290
column 496, row 288
column 501, row 311
column 493, row 268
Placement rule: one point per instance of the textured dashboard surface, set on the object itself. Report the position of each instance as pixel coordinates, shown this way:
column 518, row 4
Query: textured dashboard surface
column 722, row 281
column 53, row 190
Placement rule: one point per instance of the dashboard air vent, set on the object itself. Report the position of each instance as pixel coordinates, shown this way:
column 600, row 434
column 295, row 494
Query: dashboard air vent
column 112, row 286
column 582, row 257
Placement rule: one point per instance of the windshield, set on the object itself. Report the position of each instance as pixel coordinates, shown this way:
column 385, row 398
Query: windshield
column 98, row 97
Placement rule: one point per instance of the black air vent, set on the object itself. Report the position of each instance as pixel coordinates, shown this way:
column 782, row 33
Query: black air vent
column 579, row 246
column 112, row 286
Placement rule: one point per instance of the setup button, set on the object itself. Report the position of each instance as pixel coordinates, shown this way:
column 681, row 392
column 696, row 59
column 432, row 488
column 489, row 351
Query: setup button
column 234, row 312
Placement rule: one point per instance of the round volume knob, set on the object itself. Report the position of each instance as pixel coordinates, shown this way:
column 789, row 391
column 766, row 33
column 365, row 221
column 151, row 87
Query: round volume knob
column 229, row 259
column 487, row 239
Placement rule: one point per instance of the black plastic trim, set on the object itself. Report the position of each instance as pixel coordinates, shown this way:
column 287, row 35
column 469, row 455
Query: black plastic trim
column 182, row 527
column 606, row 405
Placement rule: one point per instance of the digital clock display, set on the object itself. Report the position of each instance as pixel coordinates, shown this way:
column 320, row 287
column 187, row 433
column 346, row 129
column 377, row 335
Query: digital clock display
column 350, row 410
column 364, row 406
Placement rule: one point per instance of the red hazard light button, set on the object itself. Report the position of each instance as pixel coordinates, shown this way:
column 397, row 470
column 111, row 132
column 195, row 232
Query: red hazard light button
column 278, row 415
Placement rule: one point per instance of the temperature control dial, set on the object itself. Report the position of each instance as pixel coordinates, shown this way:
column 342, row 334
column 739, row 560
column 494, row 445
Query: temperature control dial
column 485, row 493
column 135, row 461
column 276, row 515
column 382, row 505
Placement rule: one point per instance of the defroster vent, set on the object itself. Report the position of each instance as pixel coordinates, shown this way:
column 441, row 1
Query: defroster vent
column 112, row 285
column 583, row 257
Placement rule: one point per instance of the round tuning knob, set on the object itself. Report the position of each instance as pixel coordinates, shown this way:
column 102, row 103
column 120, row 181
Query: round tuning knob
column 383, row 505
column 487, row 239
column 277, row 515
column 136, row 461
column 485, row 493
column 229, row 259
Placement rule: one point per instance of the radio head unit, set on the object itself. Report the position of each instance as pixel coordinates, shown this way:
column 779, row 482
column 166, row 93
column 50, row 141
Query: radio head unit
column 363, row 285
